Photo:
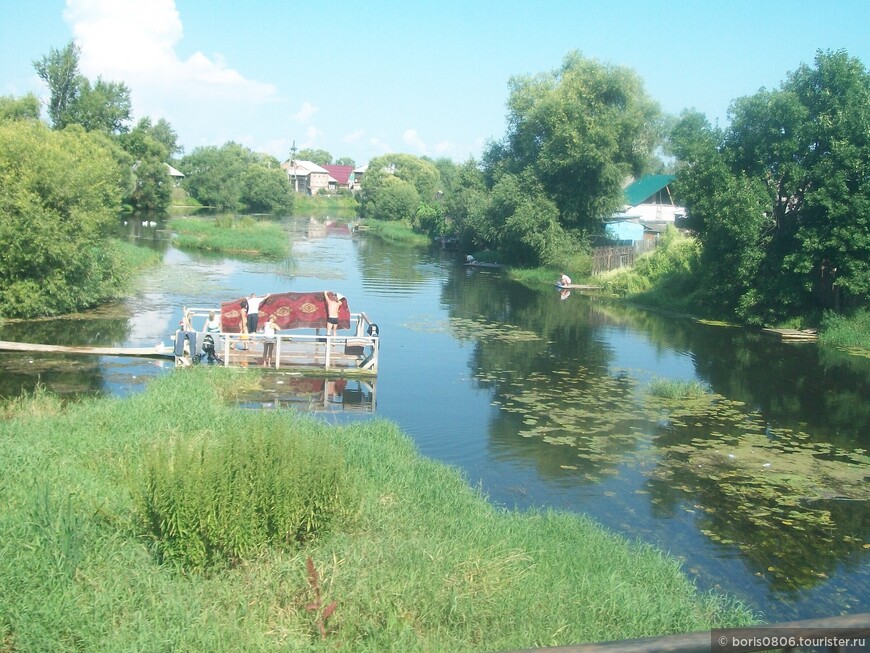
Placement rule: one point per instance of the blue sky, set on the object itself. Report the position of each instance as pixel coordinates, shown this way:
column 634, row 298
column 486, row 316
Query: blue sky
column 426, row 78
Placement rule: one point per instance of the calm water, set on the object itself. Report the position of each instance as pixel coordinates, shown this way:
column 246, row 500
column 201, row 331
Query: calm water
column 761, row 487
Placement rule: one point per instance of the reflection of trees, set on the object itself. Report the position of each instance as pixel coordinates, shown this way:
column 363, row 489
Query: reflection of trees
column 792, row 384
column 787, row 503
column 549, row 373
column 383, row 264
column 99, row 328
column 64, row 375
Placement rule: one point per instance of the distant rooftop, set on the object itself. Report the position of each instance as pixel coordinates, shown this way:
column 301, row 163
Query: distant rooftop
column 644, row 188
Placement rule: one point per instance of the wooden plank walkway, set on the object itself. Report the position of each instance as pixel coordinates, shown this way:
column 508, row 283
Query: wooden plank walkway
column 158, row 351
column 794, row 335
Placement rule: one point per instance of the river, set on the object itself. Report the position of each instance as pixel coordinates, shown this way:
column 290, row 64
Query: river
column 759, row 486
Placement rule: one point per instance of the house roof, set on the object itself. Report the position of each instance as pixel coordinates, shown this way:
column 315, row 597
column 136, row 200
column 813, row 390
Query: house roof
column 340, row 173
column 645, row 187
column 302, row 168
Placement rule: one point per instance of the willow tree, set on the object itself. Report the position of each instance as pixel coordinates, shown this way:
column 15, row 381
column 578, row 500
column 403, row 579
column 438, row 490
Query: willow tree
column 580, row 131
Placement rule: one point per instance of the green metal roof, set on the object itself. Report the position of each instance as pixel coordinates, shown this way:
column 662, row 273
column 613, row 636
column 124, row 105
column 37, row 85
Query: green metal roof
column 645, row 187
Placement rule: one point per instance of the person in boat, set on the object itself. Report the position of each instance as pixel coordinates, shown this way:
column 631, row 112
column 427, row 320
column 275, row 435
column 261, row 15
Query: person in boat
column 333, row 304
column 270, row 331
column 564, row 280
column 469, row 260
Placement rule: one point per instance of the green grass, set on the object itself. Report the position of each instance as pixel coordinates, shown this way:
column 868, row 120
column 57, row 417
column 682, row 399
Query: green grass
column 231, row 235
column 398, row 232
column 672, row 389
column 851, row 331
column 420, row 561
column 340, row 206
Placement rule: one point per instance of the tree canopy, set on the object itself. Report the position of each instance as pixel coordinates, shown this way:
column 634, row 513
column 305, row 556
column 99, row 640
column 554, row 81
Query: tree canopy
column 781, row 198
column 580, row 131
column 232, row 177
column 60, row 193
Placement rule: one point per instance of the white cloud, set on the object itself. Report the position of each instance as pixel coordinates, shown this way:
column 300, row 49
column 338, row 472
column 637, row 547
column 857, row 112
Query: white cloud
column 412, row 138
column 354, row 136
column 135, row 42
column 378, row 144
column 305, row 112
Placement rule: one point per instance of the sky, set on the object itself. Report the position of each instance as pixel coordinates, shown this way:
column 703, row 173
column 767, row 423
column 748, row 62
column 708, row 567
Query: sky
column 426, row 78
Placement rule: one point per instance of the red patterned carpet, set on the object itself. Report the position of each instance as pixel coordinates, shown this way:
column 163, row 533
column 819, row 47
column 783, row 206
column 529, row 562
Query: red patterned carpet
column 293, row 310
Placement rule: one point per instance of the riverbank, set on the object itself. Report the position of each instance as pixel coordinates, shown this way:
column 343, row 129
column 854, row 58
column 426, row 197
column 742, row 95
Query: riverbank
column 422, row 562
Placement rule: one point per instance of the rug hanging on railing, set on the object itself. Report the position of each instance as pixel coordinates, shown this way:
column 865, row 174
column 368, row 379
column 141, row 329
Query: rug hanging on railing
column 292, row 310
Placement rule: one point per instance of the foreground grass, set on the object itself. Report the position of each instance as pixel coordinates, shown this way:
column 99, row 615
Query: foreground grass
column 231, row 235
column 423, row 563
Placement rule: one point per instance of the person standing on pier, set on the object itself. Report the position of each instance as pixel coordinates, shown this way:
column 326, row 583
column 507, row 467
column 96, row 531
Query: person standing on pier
column 253, row 311
column 333, row 304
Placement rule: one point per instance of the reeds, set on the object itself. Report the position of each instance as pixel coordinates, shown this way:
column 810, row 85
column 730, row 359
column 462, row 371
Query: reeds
column 233, row 235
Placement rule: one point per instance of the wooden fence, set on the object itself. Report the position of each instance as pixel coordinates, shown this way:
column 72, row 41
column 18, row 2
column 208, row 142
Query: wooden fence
column 605, row 259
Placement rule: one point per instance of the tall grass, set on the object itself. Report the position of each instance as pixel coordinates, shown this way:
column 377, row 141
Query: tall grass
column 664, row 277
column 232, row 235
column 846, row 331
column 673, row 389
column 422, row 563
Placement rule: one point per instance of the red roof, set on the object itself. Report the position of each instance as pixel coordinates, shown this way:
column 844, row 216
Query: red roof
column 340, row 173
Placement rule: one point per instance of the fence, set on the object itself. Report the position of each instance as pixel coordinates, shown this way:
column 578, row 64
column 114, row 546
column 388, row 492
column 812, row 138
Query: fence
column 605, row 259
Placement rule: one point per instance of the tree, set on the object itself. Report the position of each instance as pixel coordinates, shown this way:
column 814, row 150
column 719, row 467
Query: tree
column 61, row 193
column 581, row 130
column 382, row 172
column 781, row 199
column 103, row 106
column 60, row 71
column 320, row 157
column 345, row 161
column 233, row 177
column 26, row 108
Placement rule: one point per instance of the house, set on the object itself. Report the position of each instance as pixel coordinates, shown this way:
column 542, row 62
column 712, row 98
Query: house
column 649, row 199
column 307, row 176
column 177, row 177
column 342, row 177
column 649, row 209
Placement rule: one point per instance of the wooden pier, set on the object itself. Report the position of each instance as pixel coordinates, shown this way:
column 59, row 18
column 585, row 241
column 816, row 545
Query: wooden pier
column 355, row 354
column 158, row 351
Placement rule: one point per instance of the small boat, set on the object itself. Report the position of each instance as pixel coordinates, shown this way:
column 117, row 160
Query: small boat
column 575, row 286
column 481, row 264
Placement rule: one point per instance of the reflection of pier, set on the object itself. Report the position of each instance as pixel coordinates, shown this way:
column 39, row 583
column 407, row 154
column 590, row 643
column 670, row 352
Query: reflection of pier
column 319, row 394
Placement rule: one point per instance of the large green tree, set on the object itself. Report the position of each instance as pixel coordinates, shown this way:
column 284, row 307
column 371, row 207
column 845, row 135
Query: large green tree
column 26, row 108
column 581, row 131
column 59, row 69
column 232, row 177
column 395, row 184
column 781, row 198
column 60, row 193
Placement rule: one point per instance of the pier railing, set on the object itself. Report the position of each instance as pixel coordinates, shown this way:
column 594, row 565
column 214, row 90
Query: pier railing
column 357, row 351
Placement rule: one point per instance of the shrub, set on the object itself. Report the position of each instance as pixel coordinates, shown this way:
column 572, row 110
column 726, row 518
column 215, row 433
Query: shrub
column 225, row 500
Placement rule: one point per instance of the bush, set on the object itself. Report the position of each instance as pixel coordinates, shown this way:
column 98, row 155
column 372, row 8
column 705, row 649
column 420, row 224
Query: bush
column 225, row 500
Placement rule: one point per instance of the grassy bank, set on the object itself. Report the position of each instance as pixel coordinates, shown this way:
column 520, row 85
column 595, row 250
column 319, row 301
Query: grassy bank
column 232, row 235
column 419, row 561
column 397, row 232
column 336, row 206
